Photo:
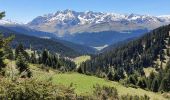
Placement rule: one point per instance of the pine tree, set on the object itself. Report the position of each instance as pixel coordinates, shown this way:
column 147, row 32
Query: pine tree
column 155, row 85
column 9, row 53
column 2, row 14
column 116, row 77
column 110, row 76
column 44, row 56
column 165, row 83
column 168, row 52
column 33, row 58
column 132, row 80
column 142, row 83
column 21, row 63
column 4, row 42
column 150, row 79
column 2, row 64
column 20, row 49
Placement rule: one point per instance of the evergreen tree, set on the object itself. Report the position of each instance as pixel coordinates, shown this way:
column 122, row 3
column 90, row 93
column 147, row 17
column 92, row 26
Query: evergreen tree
column 132, row 80
column 44, row 56
column 142, row 83
column 33, row 58
column 116, row 77
column 4, row 42
column 21, row 63
column 2, row 14
column 2, row 64
column 165, row 84
column 20, row 49
column 110, row 76
column 168, row 52
column 155, row 85
column 150, row 79
column 9, row 53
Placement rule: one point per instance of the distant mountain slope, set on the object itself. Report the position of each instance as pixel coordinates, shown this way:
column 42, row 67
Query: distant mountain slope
column 118, row 44
column 97, row 39
column 46, row 35
column 39, row 43
column 151, row 50
column 22, row 29
column 83, row 49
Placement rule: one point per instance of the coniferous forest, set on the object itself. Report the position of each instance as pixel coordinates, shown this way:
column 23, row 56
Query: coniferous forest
column 127, row 62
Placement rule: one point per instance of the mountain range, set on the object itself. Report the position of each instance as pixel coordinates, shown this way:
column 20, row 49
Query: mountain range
column 71, row 22
column 93, row 29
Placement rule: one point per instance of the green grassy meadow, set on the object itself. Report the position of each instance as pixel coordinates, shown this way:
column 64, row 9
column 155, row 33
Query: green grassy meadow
column 84, row 84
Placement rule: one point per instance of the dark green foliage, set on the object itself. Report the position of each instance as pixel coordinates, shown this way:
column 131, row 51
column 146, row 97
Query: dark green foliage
column 132, row 80
column 129, row 97
column 142, row 83
column 4, row 43
column 21, row 63
column 20, row 49
column 2, row 14
column 9, row 53
column 155, row 85
column 33, row 58
column 22, row 59
column 150, row 79
column 110, row 76
column 165, row 83
column 116, row 77
column 168, row 52
column 105, row 93
column 34, row 90
column 63, row 64
column 1, row 54
column 132, row 56
column 44, row 57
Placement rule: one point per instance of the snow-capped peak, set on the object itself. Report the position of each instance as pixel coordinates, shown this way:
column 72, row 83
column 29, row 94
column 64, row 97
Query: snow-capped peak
column 69, row 16
column 69, row 21
column 8, row 22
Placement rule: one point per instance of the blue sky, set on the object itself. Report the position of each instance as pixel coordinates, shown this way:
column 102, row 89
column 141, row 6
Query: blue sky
column 26, row 10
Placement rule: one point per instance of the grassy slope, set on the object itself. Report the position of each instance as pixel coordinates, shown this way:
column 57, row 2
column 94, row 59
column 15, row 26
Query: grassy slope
column 79, row 60
column 83, row 84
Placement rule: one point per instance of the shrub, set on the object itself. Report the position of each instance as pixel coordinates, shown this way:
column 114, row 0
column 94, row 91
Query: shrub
column 105, row 93
column 29, row 89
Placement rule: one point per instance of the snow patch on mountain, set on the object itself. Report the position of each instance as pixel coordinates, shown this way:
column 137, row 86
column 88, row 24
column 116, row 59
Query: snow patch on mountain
column 8, row 22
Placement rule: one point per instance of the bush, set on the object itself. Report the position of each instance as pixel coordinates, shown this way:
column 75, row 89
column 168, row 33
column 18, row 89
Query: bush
column 130, row 97
column 29, row 89
column 105, row 93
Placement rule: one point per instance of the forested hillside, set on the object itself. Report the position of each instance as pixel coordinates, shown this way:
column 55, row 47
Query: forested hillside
column 128, row 61
column 39, row 44
column 24, row 30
